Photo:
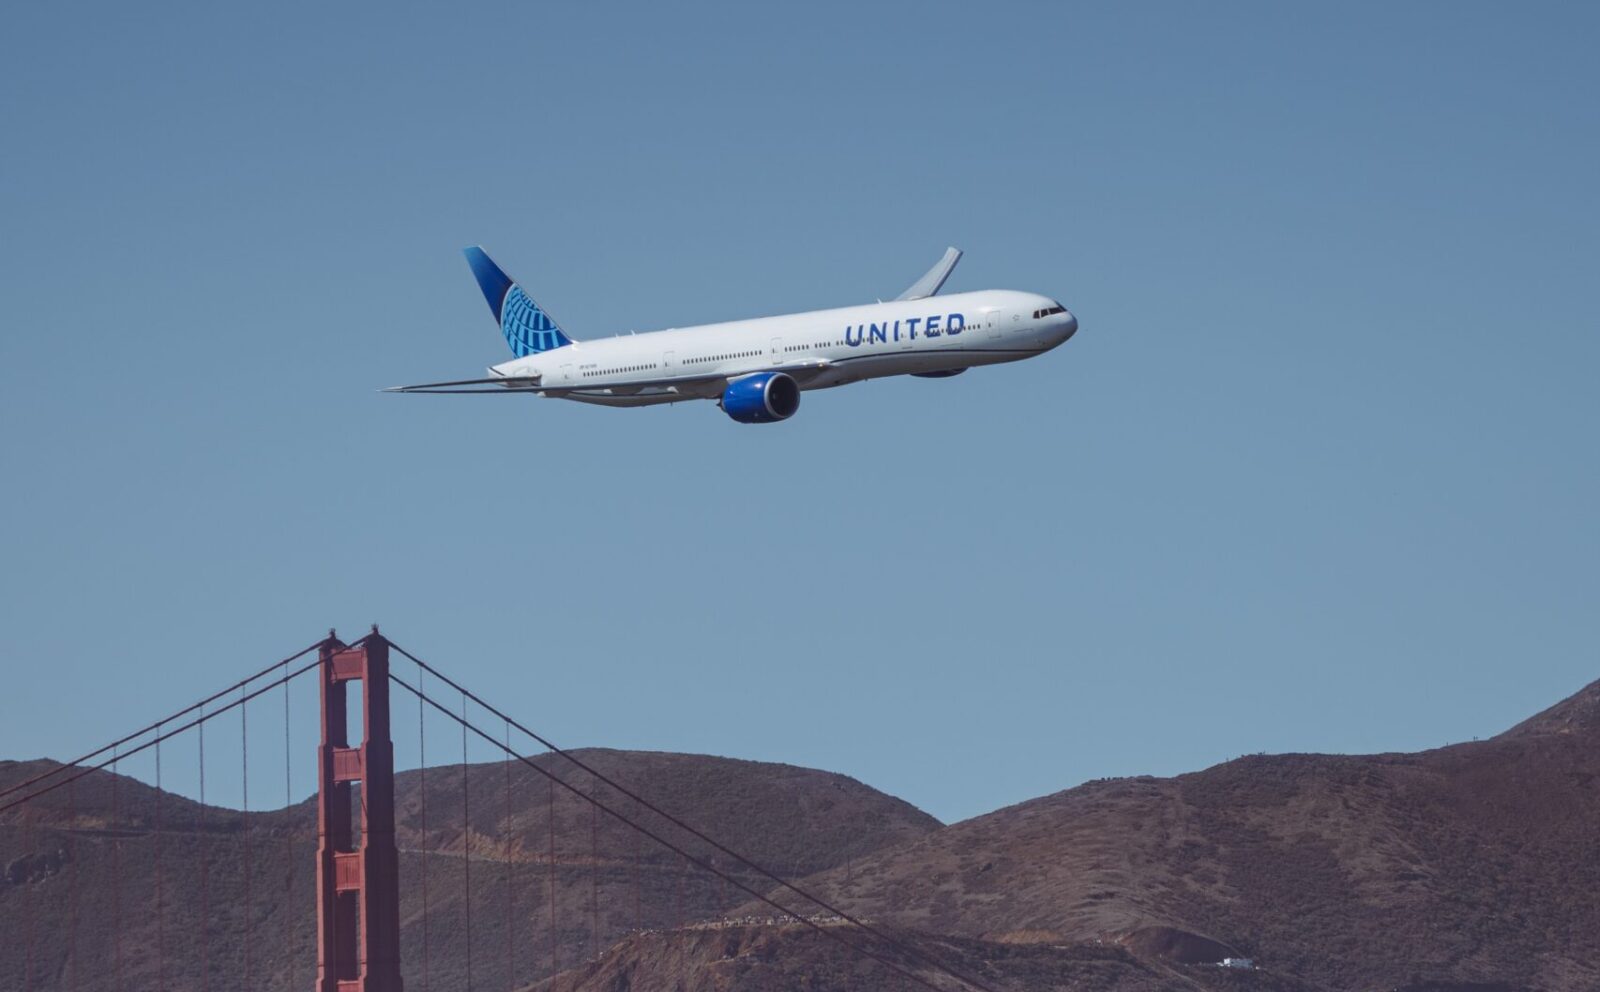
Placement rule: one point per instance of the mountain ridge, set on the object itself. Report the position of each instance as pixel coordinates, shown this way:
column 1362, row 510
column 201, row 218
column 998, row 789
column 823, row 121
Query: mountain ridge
column 1464, row 868
column 1470, row 863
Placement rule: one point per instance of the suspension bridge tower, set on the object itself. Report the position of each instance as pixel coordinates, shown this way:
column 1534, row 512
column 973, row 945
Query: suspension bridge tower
column 358, row 887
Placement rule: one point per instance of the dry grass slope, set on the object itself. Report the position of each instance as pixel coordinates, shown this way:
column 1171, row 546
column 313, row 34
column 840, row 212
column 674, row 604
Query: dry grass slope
column 62, row 863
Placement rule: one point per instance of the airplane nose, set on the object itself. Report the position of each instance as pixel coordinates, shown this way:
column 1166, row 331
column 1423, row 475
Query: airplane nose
column 1072, row 325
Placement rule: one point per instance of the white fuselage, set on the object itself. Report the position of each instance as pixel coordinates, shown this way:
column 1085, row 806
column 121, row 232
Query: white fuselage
column 820, row 349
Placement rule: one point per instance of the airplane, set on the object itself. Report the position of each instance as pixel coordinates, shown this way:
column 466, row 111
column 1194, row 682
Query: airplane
column 756, row 369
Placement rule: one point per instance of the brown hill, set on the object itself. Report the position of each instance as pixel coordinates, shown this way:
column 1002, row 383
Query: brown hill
column 60, row 901
column 1470, row 868
column 1579, row 713
column 1475, row 863
column 773, row 958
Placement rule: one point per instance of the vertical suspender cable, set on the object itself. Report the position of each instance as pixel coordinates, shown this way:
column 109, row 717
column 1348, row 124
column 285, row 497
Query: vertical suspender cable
column 679, row 937
column 638, row 856
column 161, row 875
column 244, row 786
column 466, row 842
column 594, row 875
column 288, row 841
column 511, row 889
column 72, row 889
column 422, row 787
column 116, row 869
column 555, row 945
column 205, row 869
column 31, row 842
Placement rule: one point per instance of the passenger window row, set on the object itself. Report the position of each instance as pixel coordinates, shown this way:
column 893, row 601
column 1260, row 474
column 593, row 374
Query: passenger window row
column 620, row 371
column 721, row 358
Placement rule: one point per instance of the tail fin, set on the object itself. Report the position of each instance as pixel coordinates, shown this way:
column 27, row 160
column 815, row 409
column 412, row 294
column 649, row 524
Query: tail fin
column 528, row 329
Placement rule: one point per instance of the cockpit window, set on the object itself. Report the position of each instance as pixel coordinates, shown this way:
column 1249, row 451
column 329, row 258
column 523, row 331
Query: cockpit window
column 1049, row 312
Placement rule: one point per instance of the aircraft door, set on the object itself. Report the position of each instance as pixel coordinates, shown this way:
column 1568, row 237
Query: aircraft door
column 777, row 351
column 991, row 325
column 668, row 360
column 565, row 374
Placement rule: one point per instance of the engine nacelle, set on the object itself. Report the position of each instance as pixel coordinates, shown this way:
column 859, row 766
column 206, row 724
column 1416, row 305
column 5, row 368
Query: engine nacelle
column 761, row 399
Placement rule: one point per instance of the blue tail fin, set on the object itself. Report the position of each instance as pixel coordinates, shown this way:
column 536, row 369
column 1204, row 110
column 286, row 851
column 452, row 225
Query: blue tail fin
column 528, row 329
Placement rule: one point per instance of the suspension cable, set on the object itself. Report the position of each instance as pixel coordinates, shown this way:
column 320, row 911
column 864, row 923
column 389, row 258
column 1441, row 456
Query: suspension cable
column 805, row 921
column 58, row 769
column 66, row 776
column 83, row 770
column 782, row 882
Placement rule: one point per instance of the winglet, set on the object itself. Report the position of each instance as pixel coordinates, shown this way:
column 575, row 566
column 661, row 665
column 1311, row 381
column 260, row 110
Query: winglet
column 934, row 278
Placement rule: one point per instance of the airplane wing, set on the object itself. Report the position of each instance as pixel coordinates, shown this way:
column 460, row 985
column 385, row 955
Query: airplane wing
column 804, row 370
column 929, row 284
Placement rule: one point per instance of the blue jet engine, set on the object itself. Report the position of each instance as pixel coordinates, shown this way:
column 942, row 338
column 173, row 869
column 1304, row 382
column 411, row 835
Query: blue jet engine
column 761, row 399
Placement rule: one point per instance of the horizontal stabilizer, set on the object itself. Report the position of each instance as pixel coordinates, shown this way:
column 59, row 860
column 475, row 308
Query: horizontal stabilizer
column 499, row 384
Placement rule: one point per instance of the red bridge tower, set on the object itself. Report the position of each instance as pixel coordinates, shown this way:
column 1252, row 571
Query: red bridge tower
column 358, row 889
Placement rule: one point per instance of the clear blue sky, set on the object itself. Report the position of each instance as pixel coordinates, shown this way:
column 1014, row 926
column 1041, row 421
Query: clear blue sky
column 1318, row 473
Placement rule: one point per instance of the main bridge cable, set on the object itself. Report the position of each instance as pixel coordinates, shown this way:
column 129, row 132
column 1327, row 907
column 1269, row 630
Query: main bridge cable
column 84, row 770
column 669, row 845
column 781, row 882
column 59, row 769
